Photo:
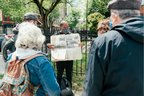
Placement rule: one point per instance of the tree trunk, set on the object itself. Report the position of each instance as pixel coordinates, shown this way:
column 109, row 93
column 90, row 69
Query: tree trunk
column 45, row 24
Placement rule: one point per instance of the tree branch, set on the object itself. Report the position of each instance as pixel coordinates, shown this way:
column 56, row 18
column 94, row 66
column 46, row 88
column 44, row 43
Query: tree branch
column 41, row 2
column 37, row 2
column 39, row 6
column 44, row 8
column 53, row 5
column 70, row 3
column 30, row 2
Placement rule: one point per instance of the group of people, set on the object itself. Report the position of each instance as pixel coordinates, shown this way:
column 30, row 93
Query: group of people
column 115, row 63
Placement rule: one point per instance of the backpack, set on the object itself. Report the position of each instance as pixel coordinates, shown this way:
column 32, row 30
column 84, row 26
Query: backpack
column 16, row 78
column 66, row 91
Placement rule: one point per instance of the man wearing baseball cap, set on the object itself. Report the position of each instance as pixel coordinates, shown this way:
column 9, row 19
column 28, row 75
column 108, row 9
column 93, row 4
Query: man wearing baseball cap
column 31, row 17
column 9, row 44
column 116, row 58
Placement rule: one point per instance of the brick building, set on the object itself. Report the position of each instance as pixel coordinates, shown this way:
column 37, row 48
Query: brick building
column 6, row 24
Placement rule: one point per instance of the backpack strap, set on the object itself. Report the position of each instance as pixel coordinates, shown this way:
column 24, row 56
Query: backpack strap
column 32, row 57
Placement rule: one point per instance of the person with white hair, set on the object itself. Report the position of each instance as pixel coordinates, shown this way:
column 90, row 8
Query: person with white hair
column 116, row 59
column 41, row 71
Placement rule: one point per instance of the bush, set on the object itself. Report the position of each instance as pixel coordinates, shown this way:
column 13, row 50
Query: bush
column 93, row 20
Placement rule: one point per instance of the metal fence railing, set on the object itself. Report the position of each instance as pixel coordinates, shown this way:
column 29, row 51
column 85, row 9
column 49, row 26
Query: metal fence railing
column 79, row 66
column 142, row 14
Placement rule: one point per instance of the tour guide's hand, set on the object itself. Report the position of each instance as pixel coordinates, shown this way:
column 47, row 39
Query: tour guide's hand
column 51, row 46
column 80, row 44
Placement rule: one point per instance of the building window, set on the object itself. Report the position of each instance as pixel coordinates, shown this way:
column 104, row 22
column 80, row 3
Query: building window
column 5, row 18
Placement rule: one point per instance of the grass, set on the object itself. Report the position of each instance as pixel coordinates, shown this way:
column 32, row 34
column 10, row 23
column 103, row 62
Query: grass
column 77, row 82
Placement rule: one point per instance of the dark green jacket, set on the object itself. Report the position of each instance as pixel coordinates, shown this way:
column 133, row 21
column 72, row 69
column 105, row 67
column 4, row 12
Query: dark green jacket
column 116, row 61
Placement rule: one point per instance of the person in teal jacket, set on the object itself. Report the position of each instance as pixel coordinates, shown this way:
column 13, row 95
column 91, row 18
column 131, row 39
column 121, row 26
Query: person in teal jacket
column 41, row 71
column 116, row 58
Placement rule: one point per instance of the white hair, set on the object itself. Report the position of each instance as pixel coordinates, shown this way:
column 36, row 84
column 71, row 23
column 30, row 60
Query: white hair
column 29, row 36
column 124, row 14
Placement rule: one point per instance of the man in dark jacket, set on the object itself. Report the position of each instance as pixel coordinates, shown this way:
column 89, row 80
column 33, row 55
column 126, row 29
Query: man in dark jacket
column 61, row 65
column 115, row 64
column 9, row 44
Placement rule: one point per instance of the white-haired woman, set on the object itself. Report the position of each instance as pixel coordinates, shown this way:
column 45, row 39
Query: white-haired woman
column 41, row 71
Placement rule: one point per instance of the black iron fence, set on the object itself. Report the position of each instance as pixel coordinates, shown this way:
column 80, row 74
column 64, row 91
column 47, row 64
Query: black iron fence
column 142, row 14
column 79, row 66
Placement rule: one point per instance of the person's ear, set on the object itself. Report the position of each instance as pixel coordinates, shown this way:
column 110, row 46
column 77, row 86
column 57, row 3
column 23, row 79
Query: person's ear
column 114, row 17
column 36, row 22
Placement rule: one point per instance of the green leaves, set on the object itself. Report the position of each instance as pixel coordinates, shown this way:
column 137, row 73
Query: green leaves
column 99, row 6
column 73, row 18
column 13, row 8
column 93, row 20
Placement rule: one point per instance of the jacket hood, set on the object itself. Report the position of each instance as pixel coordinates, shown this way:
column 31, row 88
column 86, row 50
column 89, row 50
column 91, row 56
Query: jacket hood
column 134, row 27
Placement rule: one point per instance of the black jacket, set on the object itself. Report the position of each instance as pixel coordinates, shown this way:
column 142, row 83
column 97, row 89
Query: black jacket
column 116, row 61
column 8, row 44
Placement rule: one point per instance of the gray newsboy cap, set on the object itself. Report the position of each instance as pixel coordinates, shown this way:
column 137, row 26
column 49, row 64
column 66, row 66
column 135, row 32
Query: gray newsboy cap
column 124, row 4
column 31, row 16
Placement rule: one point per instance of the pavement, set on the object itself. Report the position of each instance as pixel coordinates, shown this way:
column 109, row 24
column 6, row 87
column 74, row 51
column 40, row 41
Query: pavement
column 2, row 67
column 0, row 81
column 77, row 93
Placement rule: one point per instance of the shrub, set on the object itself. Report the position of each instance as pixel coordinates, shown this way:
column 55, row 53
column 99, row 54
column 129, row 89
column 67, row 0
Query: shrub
column 93, row 20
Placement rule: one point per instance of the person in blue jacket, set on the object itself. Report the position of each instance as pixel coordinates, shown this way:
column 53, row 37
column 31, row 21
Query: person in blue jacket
column 41, row 71
column 116, row 58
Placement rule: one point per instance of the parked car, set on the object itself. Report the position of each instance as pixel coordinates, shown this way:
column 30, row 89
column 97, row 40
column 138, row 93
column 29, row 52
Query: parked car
column 2, row 37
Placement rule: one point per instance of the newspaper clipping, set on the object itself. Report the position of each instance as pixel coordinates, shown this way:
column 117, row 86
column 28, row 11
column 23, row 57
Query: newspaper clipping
column 66, row 47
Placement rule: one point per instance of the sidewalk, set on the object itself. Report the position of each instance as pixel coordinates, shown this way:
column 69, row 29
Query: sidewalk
column 0, row 81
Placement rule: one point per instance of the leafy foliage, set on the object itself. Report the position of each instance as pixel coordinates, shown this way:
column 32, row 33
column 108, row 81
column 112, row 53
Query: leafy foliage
column 13, row 8
column 17, row 8
column 1, row 76
column 53, row 16
column 73, row 18
column 99, row 6
column 93, row 20
column 82, row 26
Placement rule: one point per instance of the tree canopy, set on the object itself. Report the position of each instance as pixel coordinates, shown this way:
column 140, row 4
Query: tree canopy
column 73, row 18
column 17, row 8
column 99, row 6
column 13, row 8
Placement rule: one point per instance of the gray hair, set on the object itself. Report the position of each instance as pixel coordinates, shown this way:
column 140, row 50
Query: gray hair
column 124, row 14
column 29, row 36
column 63, row 22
